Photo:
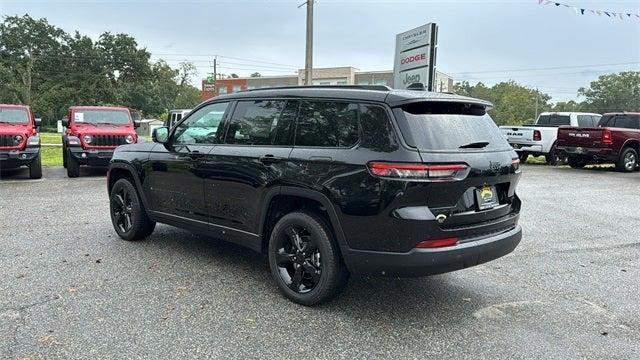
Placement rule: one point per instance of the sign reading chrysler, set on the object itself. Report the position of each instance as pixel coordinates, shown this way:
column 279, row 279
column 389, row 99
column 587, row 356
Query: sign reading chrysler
column 415, row 57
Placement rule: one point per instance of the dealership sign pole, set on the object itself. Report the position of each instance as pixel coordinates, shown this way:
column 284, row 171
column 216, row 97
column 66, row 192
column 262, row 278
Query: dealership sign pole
column 415, row 57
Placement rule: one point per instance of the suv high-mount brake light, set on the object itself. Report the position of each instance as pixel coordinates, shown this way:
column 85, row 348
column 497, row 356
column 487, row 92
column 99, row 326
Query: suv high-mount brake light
column 537, row 136
column 606, row 137
column 437, row 243
column 419, row 172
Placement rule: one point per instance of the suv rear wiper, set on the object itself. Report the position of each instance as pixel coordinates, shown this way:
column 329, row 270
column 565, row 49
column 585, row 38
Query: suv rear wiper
column 474, row 145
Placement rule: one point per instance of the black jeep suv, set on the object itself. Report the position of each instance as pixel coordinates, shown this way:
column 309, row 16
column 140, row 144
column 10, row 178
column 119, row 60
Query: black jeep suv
column 329, row 181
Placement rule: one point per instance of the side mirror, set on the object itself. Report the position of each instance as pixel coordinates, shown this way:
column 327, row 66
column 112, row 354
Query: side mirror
column 136, row 123
column 65, row 121
column 38, row 122
column 161, row 135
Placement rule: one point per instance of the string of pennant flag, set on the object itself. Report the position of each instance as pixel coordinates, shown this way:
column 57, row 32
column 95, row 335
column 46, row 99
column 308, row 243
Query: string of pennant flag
column 583, row 11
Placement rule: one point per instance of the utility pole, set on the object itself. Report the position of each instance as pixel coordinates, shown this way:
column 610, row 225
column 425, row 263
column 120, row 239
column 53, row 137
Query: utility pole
column 308, row 64
column 215, row 70
column 537, row 96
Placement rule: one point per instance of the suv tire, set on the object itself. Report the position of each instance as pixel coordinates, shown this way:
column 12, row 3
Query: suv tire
column 73, row 167
column 576, row 162
column 628, row 160
column 304, row 259
column 35, row 168
column 128, row 216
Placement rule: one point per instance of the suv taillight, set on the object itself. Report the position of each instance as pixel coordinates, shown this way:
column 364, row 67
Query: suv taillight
column 419, row 172
column 607, row 139
column 537, row 136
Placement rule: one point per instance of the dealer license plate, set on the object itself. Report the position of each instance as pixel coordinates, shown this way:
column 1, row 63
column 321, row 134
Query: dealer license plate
column 486, row 197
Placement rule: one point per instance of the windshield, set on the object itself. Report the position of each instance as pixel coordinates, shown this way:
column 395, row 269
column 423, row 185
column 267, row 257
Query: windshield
column 102, row 117
column 470, row 128
column 554, row 120
column 14, row 116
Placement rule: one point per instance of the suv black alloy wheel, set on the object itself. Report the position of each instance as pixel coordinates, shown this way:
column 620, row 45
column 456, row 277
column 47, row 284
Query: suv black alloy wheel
column 129, row 218
column 304, row 259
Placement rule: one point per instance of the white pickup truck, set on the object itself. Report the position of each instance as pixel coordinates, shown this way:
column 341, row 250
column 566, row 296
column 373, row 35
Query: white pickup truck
column 540, row 138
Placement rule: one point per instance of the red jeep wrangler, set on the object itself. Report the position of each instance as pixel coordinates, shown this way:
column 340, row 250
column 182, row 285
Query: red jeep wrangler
column 616, row 140
column 93, row 132
column 19, row 140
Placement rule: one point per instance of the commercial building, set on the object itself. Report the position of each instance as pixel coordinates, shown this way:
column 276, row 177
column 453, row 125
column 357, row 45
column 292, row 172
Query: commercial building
column 322, row 76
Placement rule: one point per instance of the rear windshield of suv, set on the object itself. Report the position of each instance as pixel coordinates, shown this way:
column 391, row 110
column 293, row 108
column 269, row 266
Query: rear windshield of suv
column 554, row 120
column 13, row 116
column 443, row 126
column 102, row 116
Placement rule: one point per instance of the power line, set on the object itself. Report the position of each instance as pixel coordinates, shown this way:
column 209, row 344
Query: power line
column 509, row 77
column 545, row 68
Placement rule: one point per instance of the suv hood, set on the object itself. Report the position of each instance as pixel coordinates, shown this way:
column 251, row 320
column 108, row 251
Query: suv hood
column 22, row 129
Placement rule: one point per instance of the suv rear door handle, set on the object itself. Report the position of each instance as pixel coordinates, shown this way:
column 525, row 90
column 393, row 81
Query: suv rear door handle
column 269, row 159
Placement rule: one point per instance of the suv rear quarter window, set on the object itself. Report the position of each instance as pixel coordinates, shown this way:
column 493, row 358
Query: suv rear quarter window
column 377, row 131
column 327, row 124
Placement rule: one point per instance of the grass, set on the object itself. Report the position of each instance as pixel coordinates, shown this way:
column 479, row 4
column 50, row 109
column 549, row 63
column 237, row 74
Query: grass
column 51, row 138
column 51, row 155
column 537, row 160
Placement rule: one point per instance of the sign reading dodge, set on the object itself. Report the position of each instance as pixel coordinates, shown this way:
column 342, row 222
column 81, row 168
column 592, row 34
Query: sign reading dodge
column 415, row 57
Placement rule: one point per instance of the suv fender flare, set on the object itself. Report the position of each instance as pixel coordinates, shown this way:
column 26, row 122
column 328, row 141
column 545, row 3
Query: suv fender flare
column 136, row 179
column 312, row 195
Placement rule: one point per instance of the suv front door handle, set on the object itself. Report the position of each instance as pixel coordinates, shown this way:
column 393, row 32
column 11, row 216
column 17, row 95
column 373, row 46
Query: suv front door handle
column 269, row 159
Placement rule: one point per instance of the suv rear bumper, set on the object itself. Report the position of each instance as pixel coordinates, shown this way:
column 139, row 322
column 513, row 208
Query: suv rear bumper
column 91, row 157
column 421, row 262
column 10, row 159
column 602, row 154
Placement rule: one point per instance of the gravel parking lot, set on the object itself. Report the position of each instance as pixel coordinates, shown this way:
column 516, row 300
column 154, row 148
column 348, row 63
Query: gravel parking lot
column 69, row 288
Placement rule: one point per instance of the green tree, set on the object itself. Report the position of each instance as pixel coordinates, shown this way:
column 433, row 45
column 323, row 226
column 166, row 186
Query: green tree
column 613, row 92
column 30, row 50
column 49, row 69
column 514, row 104
column 569, row 106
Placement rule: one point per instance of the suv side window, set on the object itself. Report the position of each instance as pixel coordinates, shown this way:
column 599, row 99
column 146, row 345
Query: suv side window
column 262, row 122
column 201, row 127
column 377, row 132
column 327, row 124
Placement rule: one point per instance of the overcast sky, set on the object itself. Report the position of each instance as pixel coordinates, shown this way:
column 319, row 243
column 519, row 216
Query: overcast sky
column 476, row 37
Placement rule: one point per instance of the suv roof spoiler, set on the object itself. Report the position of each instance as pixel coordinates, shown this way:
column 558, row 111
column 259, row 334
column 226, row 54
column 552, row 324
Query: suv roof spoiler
column 353, row 87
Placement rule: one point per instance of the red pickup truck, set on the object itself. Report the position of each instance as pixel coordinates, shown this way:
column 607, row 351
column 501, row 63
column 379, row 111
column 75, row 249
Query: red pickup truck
column 616, row 139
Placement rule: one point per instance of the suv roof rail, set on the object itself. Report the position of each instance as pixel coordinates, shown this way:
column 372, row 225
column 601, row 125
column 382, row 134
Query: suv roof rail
column 353, row 87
